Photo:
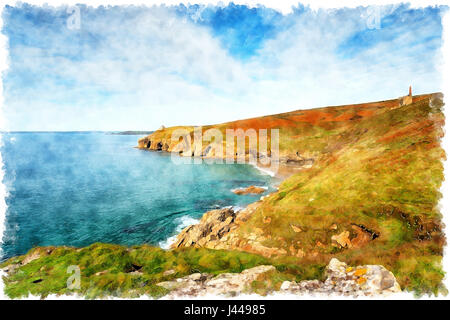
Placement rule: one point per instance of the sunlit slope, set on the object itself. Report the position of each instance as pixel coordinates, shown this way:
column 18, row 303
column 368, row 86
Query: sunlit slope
column 381, row 186
column 302, row 133
column 128, row 272
column 370, row 196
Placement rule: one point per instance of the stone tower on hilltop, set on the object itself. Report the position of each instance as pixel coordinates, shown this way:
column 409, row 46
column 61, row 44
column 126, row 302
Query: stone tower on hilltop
column 406, row 99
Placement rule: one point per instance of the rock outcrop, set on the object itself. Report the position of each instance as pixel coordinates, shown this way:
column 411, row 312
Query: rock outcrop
column 228, row 284
column 211, row 228
column 218, row 229
column 249, row 190
column 34, row 254
column 368, row 280
column 161, row 140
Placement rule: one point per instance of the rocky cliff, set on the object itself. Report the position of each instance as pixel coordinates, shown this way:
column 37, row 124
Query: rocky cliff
column 218, row 230
column 300, row 141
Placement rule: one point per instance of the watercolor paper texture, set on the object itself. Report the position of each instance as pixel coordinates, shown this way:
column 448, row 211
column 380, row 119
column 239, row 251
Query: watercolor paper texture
column 191, row 150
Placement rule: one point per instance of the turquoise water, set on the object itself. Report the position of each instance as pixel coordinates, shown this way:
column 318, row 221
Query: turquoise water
column 79, row 188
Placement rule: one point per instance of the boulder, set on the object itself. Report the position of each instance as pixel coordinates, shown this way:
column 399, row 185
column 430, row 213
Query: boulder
column 212, row 227
column 368, row 280
column 342, row 239
column 267, row 220
column 249, row 190
column 11, row 269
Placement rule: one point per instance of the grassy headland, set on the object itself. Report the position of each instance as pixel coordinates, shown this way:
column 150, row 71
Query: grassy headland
column 381, row 184
column 370, row 197
column 127, row 272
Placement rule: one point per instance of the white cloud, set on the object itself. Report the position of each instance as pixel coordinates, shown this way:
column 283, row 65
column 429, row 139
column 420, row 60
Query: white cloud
column 159, row 69
column 310, row 73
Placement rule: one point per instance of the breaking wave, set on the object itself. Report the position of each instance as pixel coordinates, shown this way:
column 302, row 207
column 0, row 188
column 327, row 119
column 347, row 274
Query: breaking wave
column 183, row 222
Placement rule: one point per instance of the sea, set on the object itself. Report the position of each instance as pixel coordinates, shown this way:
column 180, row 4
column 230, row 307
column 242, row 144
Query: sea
column 78, row 188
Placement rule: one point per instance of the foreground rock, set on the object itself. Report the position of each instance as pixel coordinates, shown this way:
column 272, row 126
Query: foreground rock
column 34, row 254
column 218, row 230
column 228, row 284
column 249, row 190
column 212, row 227
column 369, row 280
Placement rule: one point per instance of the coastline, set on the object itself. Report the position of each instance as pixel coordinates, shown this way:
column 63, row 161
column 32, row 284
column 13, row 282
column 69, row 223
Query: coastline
column 283, row 172
column 360, row 202
column 185, row 221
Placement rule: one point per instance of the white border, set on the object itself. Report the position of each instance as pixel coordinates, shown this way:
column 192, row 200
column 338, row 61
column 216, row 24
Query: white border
column 284, row 7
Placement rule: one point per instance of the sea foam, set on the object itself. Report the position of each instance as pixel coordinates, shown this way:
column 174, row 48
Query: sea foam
column 183, row 222
column 264, row 170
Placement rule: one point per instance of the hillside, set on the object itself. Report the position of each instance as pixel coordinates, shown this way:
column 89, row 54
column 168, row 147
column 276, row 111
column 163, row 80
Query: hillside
column 370, row 196
column 364, row 190
column 303, row 134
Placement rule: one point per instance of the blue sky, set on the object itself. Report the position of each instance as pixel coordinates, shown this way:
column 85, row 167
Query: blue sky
column 135, row 68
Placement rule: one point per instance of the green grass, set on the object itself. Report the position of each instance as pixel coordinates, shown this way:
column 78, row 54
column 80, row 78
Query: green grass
column 106, row 269
column 382, row 171
column 388, row 180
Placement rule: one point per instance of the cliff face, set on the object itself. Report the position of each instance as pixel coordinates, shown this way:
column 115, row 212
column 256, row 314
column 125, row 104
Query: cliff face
column 371, row 197
column 218, row 230
column 305, row 136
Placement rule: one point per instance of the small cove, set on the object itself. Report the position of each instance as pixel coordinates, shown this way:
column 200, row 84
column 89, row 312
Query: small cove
column 78, row 188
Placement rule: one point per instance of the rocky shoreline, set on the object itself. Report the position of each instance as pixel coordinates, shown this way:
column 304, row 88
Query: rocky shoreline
column 288, row 161
column 249, row 190
column 217, row 229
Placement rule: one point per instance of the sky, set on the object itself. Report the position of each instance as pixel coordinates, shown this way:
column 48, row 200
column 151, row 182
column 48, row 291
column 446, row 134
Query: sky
column 137, row 68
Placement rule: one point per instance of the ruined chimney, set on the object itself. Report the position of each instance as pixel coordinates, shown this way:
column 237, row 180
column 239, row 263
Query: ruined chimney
column 410, row 91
